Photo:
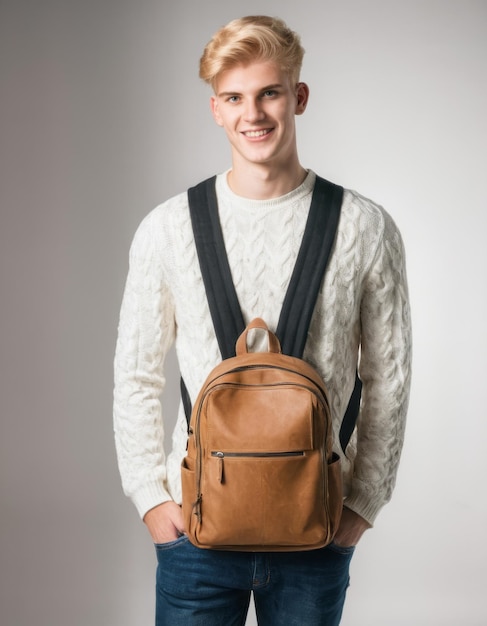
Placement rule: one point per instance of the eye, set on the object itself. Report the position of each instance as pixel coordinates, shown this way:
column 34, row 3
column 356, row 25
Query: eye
column 270, row 93
column 233, row 99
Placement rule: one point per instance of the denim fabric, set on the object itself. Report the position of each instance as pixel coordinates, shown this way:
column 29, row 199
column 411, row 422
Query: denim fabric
column 198, row 587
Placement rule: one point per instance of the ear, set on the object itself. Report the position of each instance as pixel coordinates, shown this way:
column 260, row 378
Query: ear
column 215, row 110
column 302, row 96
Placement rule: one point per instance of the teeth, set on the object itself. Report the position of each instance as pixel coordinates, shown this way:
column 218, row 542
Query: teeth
column 256, row 133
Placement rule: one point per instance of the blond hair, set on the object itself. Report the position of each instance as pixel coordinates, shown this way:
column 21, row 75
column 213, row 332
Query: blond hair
column 249, row 39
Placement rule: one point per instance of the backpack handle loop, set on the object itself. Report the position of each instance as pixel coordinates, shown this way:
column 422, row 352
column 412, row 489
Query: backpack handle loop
column 242, row 347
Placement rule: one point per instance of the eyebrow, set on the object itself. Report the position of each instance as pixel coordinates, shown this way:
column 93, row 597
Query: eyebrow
column 222, row 94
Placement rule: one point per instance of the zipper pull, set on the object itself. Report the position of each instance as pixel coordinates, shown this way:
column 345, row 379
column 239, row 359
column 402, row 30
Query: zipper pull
column 220, row 456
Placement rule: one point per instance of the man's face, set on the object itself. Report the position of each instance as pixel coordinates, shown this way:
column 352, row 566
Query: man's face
column 256, row 105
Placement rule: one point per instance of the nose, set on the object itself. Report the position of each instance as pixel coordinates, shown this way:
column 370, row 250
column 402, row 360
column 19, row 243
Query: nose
column 253, row 111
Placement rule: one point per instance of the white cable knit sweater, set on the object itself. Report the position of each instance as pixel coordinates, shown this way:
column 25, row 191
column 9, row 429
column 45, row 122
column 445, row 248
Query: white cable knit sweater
column 363, row 301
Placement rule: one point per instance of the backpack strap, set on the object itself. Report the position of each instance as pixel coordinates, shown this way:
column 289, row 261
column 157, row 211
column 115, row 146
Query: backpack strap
column 303, row 289
column 217, row 277
column 351, row 414
column 309, row 269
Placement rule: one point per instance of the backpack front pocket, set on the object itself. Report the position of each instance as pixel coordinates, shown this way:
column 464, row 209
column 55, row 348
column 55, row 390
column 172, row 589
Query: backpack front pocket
column 272, row 482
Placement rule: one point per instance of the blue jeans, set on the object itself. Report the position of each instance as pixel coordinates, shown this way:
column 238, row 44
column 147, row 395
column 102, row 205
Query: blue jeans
column 198, row 587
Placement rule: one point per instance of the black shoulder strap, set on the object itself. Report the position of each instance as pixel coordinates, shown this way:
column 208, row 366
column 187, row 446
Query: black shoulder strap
column 303, row 289
column 222, row 298
column 307, row 276
column 350, row 418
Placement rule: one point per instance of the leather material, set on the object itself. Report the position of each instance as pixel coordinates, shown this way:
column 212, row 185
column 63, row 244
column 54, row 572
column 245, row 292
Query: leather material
column 260, row 473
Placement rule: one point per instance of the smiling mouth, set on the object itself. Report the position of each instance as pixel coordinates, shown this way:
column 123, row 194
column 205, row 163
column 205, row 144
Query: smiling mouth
column 257, row 133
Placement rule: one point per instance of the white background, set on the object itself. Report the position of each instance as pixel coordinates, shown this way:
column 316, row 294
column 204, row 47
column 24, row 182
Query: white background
column 103, row 117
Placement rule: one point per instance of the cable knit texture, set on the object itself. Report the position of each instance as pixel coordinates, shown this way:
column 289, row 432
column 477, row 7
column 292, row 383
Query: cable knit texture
column 362, row 309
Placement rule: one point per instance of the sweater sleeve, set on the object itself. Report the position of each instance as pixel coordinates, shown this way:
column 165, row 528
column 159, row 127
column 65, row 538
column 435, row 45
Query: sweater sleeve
column 145, row 333
column 385, row 370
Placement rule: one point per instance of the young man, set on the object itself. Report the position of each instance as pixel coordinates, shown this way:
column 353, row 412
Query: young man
column 361, row 316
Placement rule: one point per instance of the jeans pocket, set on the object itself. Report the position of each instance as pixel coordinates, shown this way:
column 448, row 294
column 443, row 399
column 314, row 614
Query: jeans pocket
column 169, row 545
column 345, row 550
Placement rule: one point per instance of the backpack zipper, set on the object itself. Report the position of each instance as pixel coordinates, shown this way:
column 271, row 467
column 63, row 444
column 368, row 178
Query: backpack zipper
column 221, row 454
column 250, row 455
column 258, row 366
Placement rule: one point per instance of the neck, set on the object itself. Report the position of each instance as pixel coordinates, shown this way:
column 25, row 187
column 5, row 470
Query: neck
column 258, row 182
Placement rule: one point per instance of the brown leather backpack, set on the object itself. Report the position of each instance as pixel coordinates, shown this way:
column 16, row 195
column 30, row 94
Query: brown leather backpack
column 260, row 473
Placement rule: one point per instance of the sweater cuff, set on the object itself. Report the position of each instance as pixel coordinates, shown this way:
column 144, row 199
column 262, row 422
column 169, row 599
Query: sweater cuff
column 361, row 504
column 149, row 496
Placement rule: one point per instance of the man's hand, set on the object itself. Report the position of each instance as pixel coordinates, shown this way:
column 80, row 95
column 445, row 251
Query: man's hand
column 351, row 528
column 165, row 522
